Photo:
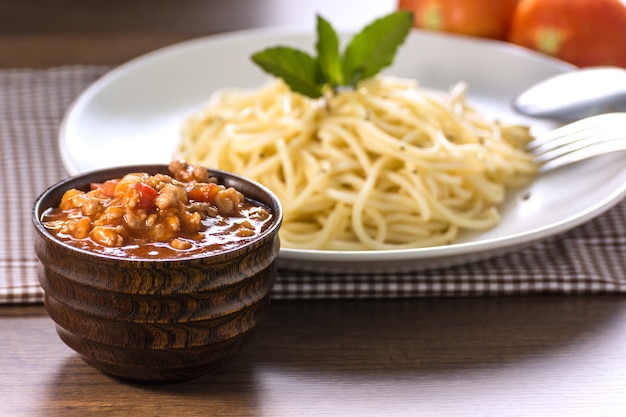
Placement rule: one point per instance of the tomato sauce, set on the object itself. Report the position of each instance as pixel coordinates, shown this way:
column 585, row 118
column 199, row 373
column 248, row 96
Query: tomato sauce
column 158, row 216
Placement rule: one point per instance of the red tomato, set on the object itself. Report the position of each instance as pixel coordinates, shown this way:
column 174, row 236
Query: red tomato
column 484, row 18
column 205, row 193
column 147, row 196
column 107, row 188
column 582, row 32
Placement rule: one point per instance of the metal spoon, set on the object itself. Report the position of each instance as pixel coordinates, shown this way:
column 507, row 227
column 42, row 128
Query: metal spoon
column 576, row 94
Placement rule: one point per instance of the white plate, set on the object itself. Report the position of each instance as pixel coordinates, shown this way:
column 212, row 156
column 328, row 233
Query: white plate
column 134, row 113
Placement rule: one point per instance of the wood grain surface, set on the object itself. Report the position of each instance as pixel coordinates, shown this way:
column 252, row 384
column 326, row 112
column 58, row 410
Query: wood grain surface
column 513, row 356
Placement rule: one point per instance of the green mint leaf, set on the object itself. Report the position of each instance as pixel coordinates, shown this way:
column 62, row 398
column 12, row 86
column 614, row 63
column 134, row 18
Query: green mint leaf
column 369, row 51
column 299, row 70
column 328, row 55
column 375, row 46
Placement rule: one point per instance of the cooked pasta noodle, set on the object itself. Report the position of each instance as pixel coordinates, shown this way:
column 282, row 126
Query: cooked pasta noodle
column 389, row 165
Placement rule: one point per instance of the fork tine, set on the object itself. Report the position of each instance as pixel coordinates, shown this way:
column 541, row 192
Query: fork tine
column 580, row 140
column 595, row 137
column 578, row 128
column 558, row 139
column 583, row 153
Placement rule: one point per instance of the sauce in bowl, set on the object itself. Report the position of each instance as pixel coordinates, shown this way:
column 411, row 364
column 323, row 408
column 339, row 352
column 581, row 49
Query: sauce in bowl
column 158, row 216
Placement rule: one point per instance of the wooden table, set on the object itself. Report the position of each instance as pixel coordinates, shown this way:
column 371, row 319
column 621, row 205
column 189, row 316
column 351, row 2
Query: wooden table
column 513, row 356
column 508, row 356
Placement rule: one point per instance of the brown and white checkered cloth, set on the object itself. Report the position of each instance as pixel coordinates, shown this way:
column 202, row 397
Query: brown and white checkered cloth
column 588, row 259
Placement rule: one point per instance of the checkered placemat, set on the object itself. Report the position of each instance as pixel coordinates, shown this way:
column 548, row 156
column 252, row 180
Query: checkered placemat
column 588, row 259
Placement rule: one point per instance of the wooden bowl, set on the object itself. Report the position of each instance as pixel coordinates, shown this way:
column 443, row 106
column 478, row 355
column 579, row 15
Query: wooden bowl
column 156, row 321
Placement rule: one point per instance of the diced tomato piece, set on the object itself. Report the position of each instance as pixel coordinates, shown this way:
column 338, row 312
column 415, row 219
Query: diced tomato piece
column 147, row 196
column 205, row 193
column 107, row 188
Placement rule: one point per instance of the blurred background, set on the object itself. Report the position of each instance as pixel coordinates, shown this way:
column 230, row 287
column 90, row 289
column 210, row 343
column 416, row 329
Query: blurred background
column 582, row 32
column 138, row 26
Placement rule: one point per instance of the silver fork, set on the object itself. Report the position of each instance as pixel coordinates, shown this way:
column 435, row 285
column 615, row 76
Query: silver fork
column 582, row 139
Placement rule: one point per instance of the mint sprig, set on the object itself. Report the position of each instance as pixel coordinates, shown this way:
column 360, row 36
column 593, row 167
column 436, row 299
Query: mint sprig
column 367, row 53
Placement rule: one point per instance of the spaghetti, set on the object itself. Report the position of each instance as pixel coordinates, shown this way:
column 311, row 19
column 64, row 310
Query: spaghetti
column 389, row 165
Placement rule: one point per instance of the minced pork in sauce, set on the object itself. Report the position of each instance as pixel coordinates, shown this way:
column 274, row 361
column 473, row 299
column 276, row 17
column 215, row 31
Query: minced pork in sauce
column 157, row 216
